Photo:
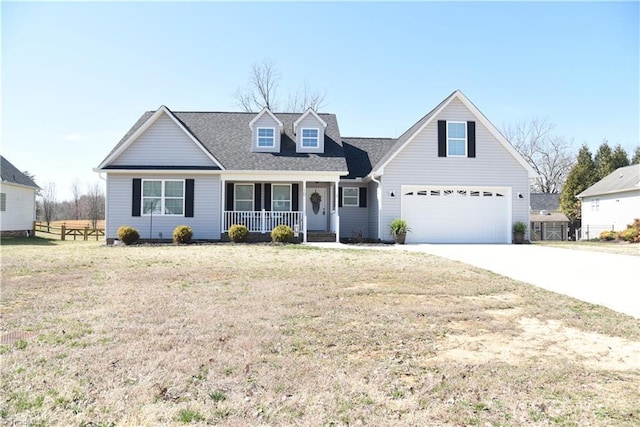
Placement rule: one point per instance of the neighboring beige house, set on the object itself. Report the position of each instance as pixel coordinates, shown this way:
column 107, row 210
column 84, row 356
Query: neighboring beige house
column 547, row 222
column 611, row 203
column 17, row 201
column 452, row 175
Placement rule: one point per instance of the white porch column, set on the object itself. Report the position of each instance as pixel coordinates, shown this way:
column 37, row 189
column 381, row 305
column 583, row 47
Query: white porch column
column 304, row 211
column 223, row 204
column 336, row 204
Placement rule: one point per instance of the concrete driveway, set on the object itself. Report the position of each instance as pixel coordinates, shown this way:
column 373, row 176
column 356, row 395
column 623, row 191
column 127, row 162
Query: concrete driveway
column 599, row 278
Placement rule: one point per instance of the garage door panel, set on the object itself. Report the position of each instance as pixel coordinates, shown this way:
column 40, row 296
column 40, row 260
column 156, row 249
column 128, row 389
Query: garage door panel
column 456, row 214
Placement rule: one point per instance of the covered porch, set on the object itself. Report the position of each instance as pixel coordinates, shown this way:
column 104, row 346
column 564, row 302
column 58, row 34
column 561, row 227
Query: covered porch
column 308, row 207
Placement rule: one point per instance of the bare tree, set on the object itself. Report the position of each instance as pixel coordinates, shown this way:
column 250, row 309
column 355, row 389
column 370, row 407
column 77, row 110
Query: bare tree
column 95, row 204
column 548, row 154
column 75, row 193
column 261, row 91
column 305, row 98
column 48, row 200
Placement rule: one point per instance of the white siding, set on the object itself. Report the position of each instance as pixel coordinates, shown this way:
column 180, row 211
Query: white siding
column 20, row 207
column 266, row 121
column 354, row 220
column 419, row 164
column 205, row 222
column 613, row 212
column 163, row 144
column 310, row 122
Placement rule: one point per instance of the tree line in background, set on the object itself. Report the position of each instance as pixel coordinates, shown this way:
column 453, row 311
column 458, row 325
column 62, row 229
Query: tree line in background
column 87, row 204
column 560, row 170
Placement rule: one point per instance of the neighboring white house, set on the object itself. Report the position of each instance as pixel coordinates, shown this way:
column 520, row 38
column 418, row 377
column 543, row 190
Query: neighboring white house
column 611, row 203
column 452, row 175
column 17, row 201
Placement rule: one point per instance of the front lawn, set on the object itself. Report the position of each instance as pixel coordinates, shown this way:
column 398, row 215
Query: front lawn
column 294, row 335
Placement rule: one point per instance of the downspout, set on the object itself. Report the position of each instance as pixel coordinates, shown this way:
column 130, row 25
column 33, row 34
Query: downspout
column 379, row 198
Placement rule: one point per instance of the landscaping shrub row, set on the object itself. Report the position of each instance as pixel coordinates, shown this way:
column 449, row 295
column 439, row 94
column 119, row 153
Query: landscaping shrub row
column 183, row 234
column 631, row 234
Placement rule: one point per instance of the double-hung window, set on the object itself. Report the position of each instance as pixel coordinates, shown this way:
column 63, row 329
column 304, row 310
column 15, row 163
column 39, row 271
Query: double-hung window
column 350, row 196
column 266, row 137
column 3, row 202
column 310, row 138
column 243, row 197
column 457, row 139
column 163, row 197
column 281, row 200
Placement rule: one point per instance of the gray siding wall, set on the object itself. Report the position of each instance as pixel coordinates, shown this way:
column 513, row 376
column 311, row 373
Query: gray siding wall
column 419, row 164
column 205, row 222
column 354, row 220
column 163, row 144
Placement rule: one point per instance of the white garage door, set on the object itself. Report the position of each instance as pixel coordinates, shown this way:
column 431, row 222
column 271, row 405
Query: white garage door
column 442, row 214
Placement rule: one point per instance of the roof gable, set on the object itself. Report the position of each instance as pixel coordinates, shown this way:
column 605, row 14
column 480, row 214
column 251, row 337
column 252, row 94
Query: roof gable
column 144, row 124
column 304, row 115
column 264, row 111
column 11, row 175
column 622, row 179
column 414, row 130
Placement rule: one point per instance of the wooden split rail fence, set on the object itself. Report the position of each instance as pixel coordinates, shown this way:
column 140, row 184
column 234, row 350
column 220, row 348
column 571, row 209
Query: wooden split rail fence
column 65, row 231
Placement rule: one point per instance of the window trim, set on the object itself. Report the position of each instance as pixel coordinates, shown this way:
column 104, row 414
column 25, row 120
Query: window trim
column 463, row 140
column 236, row 200
column 357, row 197
column 317, row 138
column 273, row 199
column 273, row 137
column 162, row 197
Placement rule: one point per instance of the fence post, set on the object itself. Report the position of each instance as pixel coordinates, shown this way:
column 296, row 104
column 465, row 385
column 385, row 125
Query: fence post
column 86, row 233
column 33, row 230
column 62, row 232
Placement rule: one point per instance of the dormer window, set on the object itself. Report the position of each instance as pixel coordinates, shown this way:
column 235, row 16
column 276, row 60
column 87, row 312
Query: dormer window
column 266, row 137
column 457, row 139
column 310, row 138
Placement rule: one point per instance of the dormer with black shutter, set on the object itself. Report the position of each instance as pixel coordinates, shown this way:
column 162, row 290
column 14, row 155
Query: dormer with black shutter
column 309, row 130
column 266, row 132
column 456, row 138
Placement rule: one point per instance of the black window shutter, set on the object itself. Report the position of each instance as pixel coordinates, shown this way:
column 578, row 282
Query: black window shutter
column 229, row 195
column 136, row 198
column 471, row 139
column 363, row 197
column 188, row 194
column 257, row 197
column 339, row 197
column 442, row 138
column 295, row 188
column 267, row 197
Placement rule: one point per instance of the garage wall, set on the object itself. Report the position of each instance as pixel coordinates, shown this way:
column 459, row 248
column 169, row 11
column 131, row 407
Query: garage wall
column 419, row 164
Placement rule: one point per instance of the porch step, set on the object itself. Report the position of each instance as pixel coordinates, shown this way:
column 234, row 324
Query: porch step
column 320, row 236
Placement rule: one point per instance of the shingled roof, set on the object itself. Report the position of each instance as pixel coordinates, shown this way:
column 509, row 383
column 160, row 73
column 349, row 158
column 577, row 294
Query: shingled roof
column 363, row 153
column 620, row 180
column 227, row 137
column 11, row 174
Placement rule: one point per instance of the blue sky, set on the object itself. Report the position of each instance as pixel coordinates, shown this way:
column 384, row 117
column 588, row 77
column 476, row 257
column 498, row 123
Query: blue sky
column 76, row 76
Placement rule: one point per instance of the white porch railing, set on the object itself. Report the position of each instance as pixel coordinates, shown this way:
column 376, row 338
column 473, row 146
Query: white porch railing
column 262, row 221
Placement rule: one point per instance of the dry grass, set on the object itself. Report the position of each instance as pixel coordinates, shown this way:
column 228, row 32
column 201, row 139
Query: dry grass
column 292, row 335
column 614, row 247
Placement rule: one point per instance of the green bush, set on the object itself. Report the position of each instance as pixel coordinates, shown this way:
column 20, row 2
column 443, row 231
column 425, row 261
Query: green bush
column 282, row 233
column 519, row 227
column 182, row 234
column 608, row 235
column 238, row 233
column 632, row 233
column 128, row 235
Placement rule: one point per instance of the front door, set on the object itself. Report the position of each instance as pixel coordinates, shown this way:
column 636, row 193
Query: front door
column 317, row 209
